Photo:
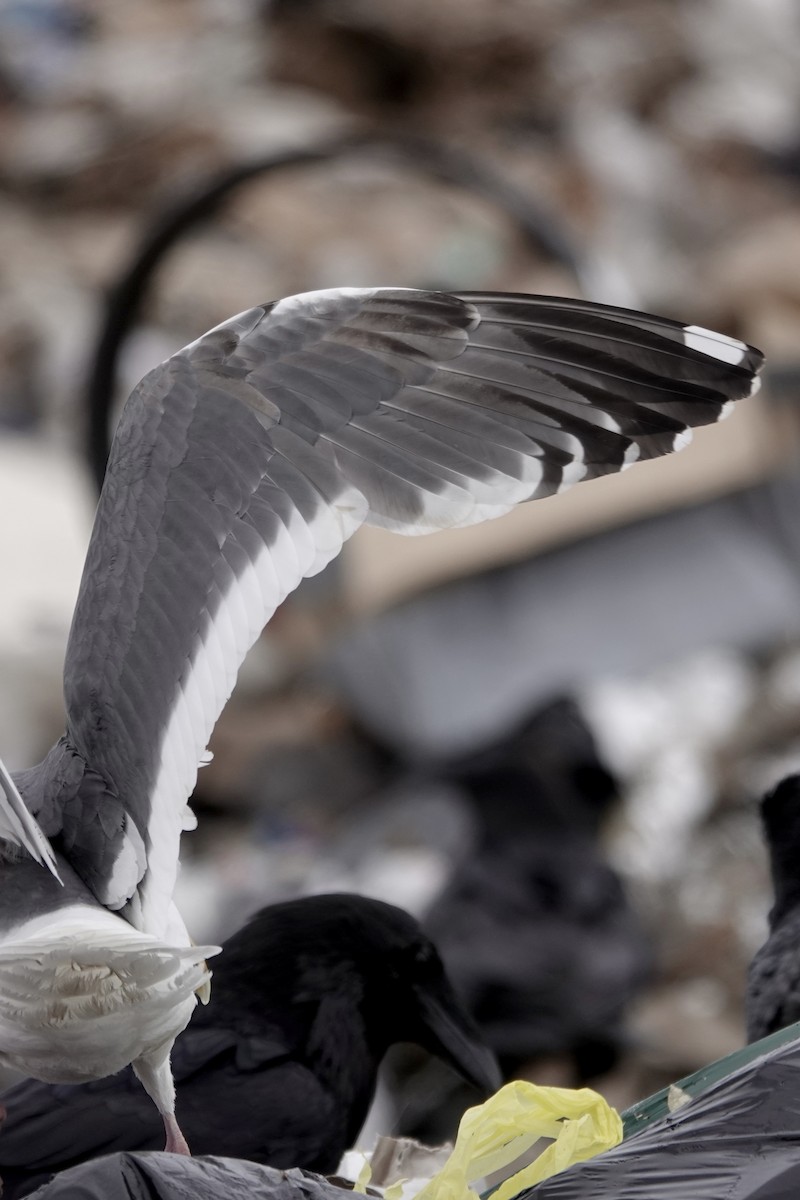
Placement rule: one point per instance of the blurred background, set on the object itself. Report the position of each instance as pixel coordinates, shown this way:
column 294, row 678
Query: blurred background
column 547, row 735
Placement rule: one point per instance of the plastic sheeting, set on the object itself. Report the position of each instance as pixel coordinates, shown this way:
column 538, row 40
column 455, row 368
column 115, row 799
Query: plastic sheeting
column 734, row 1136
column 157, row 1176
column 625, row 601
column 737, row 1140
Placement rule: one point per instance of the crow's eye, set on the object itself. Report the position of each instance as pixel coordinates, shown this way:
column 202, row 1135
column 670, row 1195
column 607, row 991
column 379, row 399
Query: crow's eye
column 424, row 955
column 416, row 961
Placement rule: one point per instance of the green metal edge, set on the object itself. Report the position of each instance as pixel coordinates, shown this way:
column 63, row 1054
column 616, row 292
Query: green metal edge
column 642, row 1114
column 654, row 1108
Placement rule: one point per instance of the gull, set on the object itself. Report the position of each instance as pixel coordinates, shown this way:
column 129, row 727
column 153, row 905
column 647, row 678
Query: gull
column 240, row 466
column 308, row 997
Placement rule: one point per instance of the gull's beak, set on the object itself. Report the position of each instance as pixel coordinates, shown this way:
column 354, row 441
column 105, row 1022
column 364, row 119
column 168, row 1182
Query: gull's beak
column 203, row 993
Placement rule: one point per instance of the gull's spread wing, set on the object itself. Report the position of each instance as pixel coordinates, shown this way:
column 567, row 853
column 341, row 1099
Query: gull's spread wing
column 241, row 465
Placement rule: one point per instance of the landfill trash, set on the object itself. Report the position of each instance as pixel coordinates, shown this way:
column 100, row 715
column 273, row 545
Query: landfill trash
column 493, row 1136
column 400, row 1167
column 728, row 1132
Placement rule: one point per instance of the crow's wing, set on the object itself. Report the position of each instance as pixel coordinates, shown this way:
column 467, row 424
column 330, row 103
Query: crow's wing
column 237, row 1096
column 50, row 1127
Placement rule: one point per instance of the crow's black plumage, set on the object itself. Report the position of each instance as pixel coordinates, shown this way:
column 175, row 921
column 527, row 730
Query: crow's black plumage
column 280, row 1067
column 773, row 980
column 535, row 927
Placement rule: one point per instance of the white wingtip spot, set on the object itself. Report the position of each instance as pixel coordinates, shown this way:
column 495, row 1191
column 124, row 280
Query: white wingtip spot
column 716, row 345
column 631, row 456
column 682, row 439
column 573, row 473
column 756, row 385
column 599, row 416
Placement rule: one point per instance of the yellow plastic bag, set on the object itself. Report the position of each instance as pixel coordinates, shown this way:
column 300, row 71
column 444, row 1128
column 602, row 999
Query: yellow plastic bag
column 494, row 1135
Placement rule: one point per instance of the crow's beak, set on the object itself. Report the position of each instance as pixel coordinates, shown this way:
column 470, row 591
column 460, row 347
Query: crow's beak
column 450, row 1033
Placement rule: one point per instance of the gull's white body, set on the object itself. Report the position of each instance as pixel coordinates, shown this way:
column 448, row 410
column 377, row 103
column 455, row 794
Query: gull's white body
column 82, row 992
column 85, row 995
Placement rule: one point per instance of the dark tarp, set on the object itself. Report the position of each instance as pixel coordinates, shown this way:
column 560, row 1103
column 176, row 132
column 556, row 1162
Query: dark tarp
column 158, row 1176
column 736, row 1138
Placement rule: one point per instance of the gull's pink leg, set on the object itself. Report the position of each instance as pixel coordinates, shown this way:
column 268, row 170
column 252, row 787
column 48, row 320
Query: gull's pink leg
column 156, row 1077
column 176, row 1142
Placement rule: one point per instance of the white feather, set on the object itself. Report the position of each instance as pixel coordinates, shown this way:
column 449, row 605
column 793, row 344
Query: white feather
column 717, row 345
column 82, row 994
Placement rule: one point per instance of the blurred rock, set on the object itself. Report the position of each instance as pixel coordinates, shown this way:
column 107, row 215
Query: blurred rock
column 46, row 508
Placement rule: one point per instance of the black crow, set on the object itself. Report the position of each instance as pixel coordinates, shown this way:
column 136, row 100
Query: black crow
column 281, row 1066
column 534, row 927
column 773, row 979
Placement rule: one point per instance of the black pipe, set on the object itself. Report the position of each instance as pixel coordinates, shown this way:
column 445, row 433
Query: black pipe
column 539, row 228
